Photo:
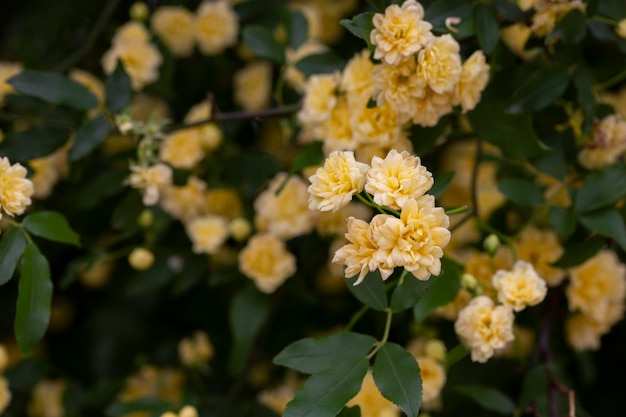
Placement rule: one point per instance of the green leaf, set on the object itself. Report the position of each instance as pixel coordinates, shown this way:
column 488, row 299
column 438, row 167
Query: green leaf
column 360, row 26
column 442, row 290
column 125, row 214
column 354, row 411
column 248, row 311
column 12, row 245
column 487, row 28
column 371, row 291
column 51, row 225
column 397, row 376
column 408, row 293
column 24, row 145
column 298, row 29
column 489, row 398
column 88, row 136
column 151, row 405
column 54, row 88
column 118, row 89
column 311, row 356
column 33, row 299
column 522, row 192
column 563, row 220
column 585, row 95
column 508, row 126
column 310, row 156
column 535, row 390
column 262, row 44
column 571, row 29
column 539, row 90
column 607, row 223
column 509, row 10
column 579, row 252
column 425, row 139
column 326, row 393
column 442, row 182
column 322, row 63
column 601, row 188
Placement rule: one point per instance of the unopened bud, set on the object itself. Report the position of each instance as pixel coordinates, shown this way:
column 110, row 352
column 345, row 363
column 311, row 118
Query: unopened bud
column 436, row 350
column 491, row 244
column 240, row 229
column 145, row 219
column 141, row 259
column 124, row 123
column 450, row 22
column 469, row 282
column 621, row 29
column 139, row 11
column 188, row 411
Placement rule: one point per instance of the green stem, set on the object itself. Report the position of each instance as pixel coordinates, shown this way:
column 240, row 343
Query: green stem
column 612, row 81
column 456, row 354
column 603, row 19
column 457, row 210
column 367, row 203
column 382, row 341
column 356, row 317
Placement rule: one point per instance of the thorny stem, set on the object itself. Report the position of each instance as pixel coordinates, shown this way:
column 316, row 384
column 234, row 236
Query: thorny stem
column 382, row 341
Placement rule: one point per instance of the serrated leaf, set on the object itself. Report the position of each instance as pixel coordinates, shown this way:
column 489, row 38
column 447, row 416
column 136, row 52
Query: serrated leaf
column 601, row 188
column 54, row 88
column 442, row 182
column 397, row 376
column 326, row 393
column 33, row 299
column 51, row 225
column 539, row 90
column 24, row 145
column 408, row 293
column 563, row 220
column 262, row 44
column 489, row 398
column 487, row 27
column 12, row 246
column 606, row 223
column 371, row 291
column 571, row 29
column 442, row 290
column 89, row 136
column 248, row 311
column 322, row 63
column 522, row 192
column 118, row 89
column 310, row 156
column 360, row 26
column 579, row 252
column 298, row 29
column 526, row 143
column 311, row 356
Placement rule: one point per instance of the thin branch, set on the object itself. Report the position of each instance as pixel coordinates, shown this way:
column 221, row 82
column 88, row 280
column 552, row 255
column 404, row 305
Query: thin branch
column 96, row 29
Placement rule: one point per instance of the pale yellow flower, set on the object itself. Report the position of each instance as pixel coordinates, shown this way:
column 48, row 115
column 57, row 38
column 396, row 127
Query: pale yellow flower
column 520, row 287
column 356, row 80
column 620, row 29
column 207, row 233
column 223, row 202
column 400, row 32
column 293, row 76
column 266, row 260
column 398, row 178
column 287, row 214
column 357, row 255
column 240, row 228
column 253, row 85
column 195, row 350
column 319, row 98
column 433, row 377
column 387, row 234
column 439, row 64
column 548, row 12
column 151, row 181
column 399, row 86
column 141, row 259
column 484, row 327
column 145, row 107
column 431, row 107
column 277, row 398
column 515, row 37
column 616, row 99
column 150, row 381
column 334, row 184
column 96, row 275
column 377, row 125
column 47, row 399
column 5, row 394
column 331, row 223
column 48, row 170
column 472, row 82
column 608, row 143
column 185, row 202
column 210, row 134
column 541, row 248
column 216, row 27
column 583, row 333
column 371, row 401
column 597, row 288
column 182, row 148
column 90, row 82
column 174, row 25
column 15, row 189
column 7, row 70
column 4, row 358
column 337, row 132
column 140, row 57
column 366, row 152
column 188, row 411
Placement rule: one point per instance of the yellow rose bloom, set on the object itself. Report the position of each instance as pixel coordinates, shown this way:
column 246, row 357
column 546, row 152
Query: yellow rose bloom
column 216, row 27
column 398, row 178
column 472, row 82
column 293, row 76
column 541, row 248
column 253, row 85
column 266, row 260
column 357, row 255
column 356, row 79
column 620, row 29
column 151, row 181
column 223, row 202
column 15, row 189
column 583, row 333
column 400, row 32
column 319, row 98
column 174, row 25
column 439, row 64
column 185, row 202
column 141, row 259
column 277, row 398
column 207, row 233
column 377, row 125
column 182, row 149
column 210, row 134
column 47, row 399
column 195, row 350
column 548, row 12
column 5, row 394
column 287, row 214
column 608, row 143
column 337, row 132
column 333, row 223
column 399, row 86
column 521, row 287
column 371, row 401
column 48, row 170
column 484, row 327
column 334, row 184
column 150, row 381
column 433, row 378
